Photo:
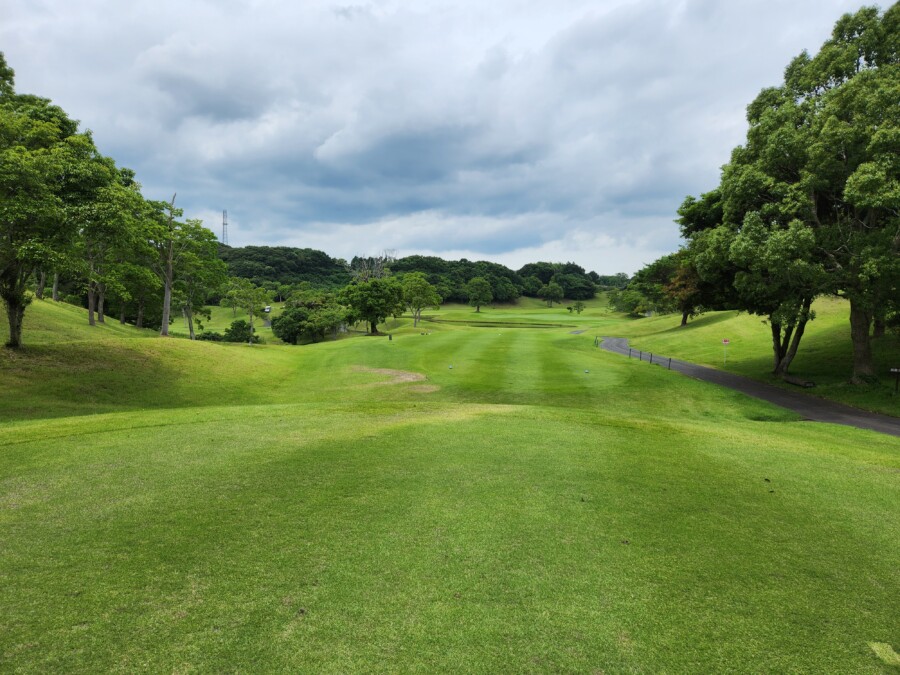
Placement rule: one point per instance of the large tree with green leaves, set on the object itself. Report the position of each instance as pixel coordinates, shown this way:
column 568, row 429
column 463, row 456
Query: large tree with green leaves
column 853, row 167
column 479, row 291
column 181, row 250
column 107, row 213
column 251, row 298
column 309, row 316
column 552, row 292
column 418, row 294
column 372, row 301
column 818, row 184
column 200, row 273
column 41, row 166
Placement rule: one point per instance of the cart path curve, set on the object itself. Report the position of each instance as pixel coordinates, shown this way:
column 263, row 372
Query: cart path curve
column 808, row 407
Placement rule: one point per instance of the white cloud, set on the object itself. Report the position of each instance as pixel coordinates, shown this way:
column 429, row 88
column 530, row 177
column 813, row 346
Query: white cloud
column 565, row 130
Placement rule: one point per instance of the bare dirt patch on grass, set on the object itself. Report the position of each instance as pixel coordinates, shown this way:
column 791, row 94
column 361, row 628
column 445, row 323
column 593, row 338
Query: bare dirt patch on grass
column 424, row 388
column 396, row 376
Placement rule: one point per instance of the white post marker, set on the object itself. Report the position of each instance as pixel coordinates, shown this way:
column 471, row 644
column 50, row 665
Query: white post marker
column 725, row 344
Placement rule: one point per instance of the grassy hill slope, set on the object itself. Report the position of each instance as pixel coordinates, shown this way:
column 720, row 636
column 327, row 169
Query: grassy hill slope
column 824, row 357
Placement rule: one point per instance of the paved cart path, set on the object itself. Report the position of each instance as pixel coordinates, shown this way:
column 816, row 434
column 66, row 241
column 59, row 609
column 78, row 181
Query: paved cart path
column 809, row 407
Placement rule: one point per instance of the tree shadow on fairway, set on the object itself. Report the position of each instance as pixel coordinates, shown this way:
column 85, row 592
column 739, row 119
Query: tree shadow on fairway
column 702, row 321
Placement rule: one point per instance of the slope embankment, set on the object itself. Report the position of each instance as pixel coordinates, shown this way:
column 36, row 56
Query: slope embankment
column 815, row 409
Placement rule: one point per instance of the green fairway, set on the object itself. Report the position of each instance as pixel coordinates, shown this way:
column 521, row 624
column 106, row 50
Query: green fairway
column 361, row 505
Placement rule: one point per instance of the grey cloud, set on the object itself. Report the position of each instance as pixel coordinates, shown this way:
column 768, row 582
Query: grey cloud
column 501, row 128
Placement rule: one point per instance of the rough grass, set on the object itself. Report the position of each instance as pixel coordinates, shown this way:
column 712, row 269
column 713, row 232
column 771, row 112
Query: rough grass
column 824, row 357
column 177, row 506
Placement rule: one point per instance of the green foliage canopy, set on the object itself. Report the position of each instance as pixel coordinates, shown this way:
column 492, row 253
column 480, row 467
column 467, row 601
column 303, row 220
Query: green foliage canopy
column 479, row 291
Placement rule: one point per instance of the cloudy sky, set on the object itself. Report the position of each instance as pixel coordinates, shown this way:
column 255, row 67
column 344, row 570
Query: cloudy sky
column 508, row 130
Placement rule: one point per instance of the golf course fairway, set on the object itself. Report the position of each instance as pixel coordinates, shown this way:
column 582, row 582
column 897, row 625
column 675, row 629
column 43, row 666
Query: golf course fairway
column 456, row 498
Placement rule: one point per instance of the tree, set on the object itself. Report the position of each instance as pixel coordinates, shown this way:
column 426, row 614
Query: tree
column 162, row 229
column 418, row 294
column 107, row 213
column 309, row 317
column 240, row 331
column 532, row 286
column 372, row 267
column 479, row 291
column 40, row 156
column 628, row 301
column 578, row 307
column 7, row 78
column 180, row 249
column 779, row 278
column 372, row 301
column 139, row 285
column 251, row 299
column 609, row 281
column 503, row 290
column 200, row 273
column 543, row 271
column 230, row 297
column 822, row 156
column 575, row 286
column 854, row 164
column 551, row 292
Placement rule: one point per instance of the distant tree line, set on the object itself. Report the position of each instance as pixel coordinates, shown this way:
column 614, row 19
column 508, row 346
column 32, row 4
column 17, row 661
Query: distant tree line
column 283, row 270
column 808, row 206
column 276, row 266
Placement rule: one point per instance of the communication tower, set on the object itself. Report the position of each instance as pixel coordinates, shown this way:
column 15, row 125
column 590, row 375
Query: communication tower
column 225, row 227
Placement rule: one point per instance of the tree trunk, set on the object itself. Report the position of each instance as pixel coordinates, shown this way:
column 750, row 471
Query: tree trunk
column 190, row 323
column 776, row 344
column 477, row 309
column 168, row 273
column 167, row 304
column 42, row 283
column 15, row 312
column 101, row 301
column 860, row 322
column 788, row 355
column 878, row 327
column 56, row 287
column 684, row 318
column 139, row 319
column 790, row 341
column 122, row 314
column 92, row 303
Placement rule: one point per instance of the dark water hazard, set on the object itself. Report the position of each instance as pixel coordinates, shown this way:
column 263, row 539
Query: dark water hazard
column 497, row 324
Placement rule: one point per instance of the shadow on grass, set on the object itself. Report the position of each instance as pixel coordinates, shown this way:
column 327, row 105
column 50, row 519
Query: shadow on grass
column 702, row 321
column 80, row 378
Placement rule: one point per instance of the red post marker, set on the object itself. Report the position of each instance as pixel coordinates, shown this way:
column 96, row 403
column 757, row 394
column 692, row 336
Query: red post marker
column 725, row 343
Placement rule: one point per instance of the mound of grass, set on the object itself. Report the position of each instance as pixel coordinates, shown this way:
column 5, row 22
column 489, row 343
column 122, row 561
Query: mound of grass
column 49, row 322
column 825, row 356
